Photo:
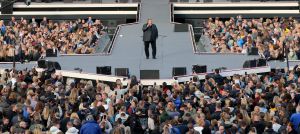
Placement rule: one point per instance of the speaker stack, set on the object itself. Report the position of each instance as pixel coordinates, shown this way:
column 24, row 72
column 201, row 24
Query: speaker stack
column 123, row 1
column 49, row 64
column 42, row 64
column 179, row 71
column 199, row 69
column 122, row 72
column 253, row 51
column 207, row 1
column 255, row 63
column 53, row 64
column 96, row 1
column 106, row 70
column 261, row 62
column 51, row 53
column 149, row 74
column 7, row 7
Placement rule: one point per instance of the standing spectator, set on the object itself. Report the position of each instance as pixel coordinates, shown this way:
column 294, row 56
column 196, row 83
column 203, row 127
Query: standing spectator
column 217, row 77
column 295, row 119
column 90, row 126
column 290, row 129
column 5, row 125
column 90, row 21
column 269, row 129
column 297, row 95
column 221, row 130
column 44, row 22
column 71, row 129
column 276, row 126
column 12, row 22
column 2, row 28
column 64, row 121
column 55, row 128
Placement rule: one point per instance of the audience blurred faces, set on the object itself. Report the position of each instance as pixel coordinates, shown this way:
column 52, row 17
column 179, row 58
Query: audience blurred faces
column 238, row 35
column 31, row 39
column 252, row 103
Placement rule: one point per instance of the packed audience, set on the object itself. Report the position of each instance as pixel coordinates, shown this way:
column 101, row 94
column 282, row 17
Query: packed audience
column 29, row 39
column 270, row 36
column 44, row 102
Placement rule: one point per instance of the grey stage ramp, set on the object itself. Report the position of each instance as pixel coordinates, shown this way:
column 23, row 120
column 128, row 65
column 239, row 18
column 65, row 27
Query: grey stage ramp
column 158, row 10
column 171, row 46
column 174, row 49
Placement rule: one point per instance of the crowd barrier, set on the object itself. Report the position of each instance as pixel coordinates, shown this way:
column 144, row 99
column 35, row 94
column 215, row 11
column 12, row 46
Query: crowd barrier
column 178, row 79
column 226, row 73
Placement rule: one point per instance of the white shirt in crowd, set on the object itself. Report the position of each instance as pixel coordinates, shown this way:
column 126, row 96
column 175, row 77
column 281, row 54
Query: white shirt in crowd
column 151, row 125
column 276, row 127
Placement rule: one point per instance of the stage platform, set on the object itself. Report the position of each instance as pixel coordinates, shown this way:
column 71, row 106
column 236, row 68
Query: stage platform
column 174, row 49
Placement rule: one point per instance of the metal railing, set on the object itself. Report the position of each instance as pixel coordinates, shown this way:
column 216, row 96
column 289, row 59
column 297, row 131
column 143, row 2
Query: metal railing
column 109, row 49
column 195, row 49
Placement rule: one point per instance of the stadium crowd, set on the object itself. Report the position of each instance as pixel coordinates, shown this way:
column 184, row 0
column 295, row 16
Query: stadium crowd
column 270, row 36
column 33, row 103
column 31, row 39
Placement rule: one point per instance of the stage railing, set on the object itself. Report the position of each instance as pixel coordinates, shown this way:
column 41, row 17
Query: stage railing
column 192, row 34
column 147, row 82
column 110, row 47
column 226, row 73
column 118, row 30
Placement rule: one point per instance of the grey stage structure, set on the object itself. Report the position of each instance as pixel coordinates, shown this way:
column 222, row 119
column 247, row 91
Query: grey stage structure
column 175, row 49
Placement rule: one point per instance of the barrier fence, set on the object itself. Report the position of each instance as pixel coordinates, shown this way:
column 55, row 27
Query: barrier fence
column 170, row 81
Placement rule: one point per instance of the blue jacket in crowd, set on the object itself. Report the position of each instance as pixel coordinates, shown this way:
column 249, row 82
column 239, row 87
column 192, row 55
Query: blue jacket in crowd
column 295, row 119
column 90, row 127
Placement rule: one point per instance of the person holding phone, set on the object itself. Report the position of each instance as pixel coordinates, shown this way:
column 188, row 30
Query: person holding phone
column 150, row 34
column 105, row 125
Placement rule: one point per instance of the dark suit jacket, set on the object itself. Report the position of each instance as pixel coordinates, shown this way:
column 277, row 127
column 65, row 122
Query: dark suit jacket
column 150, row 33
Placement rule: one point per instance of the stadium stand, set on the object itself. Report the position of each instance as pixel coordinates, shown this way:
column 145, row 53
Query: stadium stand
column 270, row 36
column 30, row 39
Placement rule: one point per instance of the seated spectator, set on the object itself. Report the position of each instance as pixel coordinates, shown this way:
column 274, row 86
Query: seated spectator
column 237, row 35
column 28, row 41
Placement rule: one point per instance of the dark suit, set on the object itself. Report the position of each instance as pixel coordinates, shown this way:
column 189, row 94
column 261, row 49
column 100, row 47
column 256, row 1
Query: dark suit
column 150, row 35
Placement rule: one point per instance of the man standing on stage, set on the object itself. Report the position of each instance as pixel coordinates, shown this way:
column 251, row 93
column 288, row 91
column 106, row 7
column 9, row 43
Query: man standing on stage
column 150, row 35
